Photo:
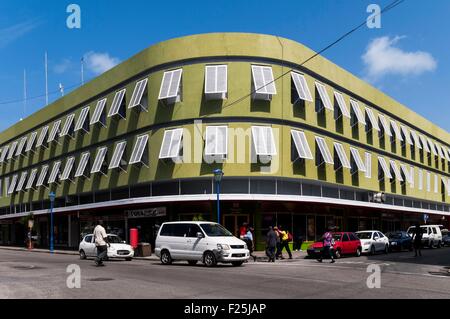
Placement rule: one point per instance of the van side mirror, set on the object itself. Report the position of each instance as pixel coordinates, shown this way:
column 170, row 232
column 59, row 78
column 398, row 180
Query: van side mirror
column 200, row 235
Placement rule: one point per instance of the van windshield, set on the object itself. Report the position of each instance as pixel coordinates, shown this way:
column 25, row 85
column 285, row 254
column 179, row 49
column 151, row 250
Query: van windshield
column 215, row 230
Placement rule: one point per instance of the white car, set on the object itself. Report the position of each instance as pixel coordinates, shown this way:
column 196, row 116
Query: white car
column 207, row 242
column 118, row 248
column 373, row 241
column 431, row 235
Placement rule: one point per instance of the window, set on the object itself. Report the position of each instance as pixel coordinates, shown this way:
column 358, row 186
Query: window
column 357, row 115
column 428, row 182
column 42, row 137
column 83, row 120
column 356, row 159
column 263, row 81
column 171, row 145
column 424, row 143
column 42, row 176
column 440, row 152
column 23, row 177
column 31, row 142
column 216, row 80
column 68, row 127
column 341, row 103
column 384, row 125
column 100, row 160
column 193, row 230
column 21, row 146
column 324, row 96
column 216, row 140
column 406, row 172
column 396, row 130
column 170, row 85
column 384, row 168
column 138, row 98
column 396, row 171
column 117, row 158
column 368, row 162
column 139, row 155
column 12, row 149
column 420, row 179
column 31, row 179
column 99, row 113
column 54, row 131
column 118, row 105
column 55, row 172
column 263, row 141
column 68, row 169
column 324, row 155
column 432, row 147
column 12, row 186
column 416, row 139
column 406, row 134
column 301, row 144
column 372, row 119
column 81, row 170
column 339, row 149
column 301, row 86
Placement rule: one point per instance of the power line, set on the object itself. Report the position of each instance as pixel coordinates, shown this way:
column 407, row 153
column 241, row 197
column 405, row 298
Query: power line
column 385, row 9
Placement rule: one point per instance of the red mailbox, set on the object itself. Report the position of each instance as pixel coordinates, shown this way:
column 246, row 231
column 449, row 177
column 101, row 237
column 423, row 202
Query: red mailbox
column 134, row 239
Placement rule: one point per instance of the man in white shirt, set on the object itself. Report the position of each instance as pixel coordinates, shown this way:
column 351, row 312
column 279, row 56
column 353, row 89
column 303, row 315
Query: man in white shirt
column 101, row 242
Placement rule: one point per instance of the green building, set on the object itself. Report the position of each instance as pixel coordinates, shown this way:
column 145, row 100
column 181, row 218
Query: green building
column 302, row 146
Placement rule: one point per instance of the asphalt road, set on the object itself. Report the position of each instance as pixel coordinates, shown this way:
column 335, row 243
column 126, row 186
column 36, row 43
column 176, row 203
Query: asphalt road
column 39, row 275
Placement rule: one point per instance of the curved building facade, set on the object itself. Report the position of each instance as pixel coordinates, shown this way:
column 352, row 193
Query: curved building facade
column 304, row 146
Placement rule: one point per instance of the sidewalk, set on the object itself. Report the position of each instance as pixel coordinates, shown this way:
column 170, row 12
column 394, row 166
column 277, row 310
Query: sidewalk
column 260, row 255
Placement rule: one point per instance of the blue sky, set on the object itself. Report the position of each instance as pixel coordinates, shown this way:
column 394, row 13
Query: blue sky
column 407, row 58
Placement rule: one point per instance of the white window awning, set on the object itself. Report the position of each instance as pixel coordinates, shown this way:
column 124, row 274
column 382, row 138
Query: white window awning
column 100, row 161
column 396, row 170
column 384, row 167
column 384, row 125
column 216, row 79
column 263, row 80
column 301, row 86
column 357, row 112
column 171, row 145
column 42, row 136
column 432, row 146
column 324, row 97
column 170, row 84
column 12, row 149
column 357, row 159
column 31, row 179
column 68, row 169
column 4, row 153
column 139, row 155
column 416, row 139
column 42, row 176
column 447, row 153
column 81, row 169
column 324, row 150
column 118, row 104
column 424, row 143
column 31, row 141
column 263, row 141
column 406, row 172
column 372, row 118
column 83, row 120
column 440, row 152
column 341, row 104
column 21, row 146
column 68, row 126
column 54, row 132
column 216, row 140
column 55, row 172
column 99, row 113
column 406, row 134
column 117, row 158
column 339, row 149
column 301, row 144
column 23, row 178
column 138, row 94
column 396, row 130
column 12, row 185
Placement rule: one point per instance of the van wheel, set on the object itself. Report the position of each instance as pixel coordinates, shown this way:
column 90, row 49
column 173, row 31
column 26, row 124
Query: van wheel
column 209, row 259
column 82, row 254
column 166, row 259
column 192, row 262
column 237, row 263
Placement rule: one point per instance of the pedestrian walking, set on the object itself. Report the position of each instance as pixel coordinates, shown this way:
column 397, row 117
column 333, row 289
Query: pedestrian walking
column 285, row 238
column 243, row 230
column 250, row 242
column 327, row 250
column 101, row 243
column 271, row 244
column 278, row 254
column 417, row 240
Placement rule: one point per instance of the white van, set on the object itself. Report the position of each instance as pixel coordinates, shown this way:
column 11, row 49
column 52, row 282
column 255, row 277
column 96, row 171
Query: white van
column 199, row 241
column 431, row 235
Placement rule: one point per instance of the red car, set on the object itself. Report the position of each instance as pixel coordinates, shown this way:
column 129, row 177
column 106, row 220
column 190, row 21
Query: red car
column 345, row 243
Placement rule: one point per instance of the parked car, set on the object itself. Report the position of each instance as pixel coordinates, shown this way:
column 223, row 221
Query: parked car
column 432, row 235
column 373, row 241
column 207, row 242
column 345, row 243
column 118, row 248
column 399, row 240
column 445, row 237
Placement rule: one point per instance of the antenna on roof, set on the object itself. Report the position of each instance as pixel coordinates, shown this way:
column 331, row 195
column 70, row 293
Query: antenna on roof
column 24, row 93
column 46, row 79
column 61, row 89
column 82, row 70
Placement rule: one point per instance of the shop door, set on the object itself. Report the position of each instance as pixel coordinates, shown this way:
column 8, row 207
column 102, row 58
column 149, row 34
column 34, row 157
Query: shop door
column 232, row 222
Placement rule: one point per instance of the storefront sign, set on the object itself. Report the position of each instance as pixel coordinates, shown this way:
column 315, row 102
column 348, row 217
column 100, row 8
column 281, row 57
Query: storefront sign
column 148, row 212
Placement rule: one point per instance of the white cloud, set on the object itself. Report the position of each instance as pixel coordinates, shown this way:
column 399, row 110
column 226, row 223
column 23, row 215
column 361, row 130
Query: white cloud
column 99, row 63
column 62, row 66
column 382, row 57
column 14, row 32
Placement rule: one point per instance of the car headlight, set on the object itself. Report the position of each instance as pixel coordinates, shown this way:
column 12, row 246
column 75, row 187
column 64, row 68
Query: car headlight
column 112, row 248
column 367, row 244
column 223, row 247
column 245, row 246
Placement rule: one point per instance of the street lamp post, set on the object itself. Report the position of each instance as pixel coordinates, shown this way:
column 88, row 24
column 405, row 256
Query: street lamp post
column 52, row 200
column 218, row 173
